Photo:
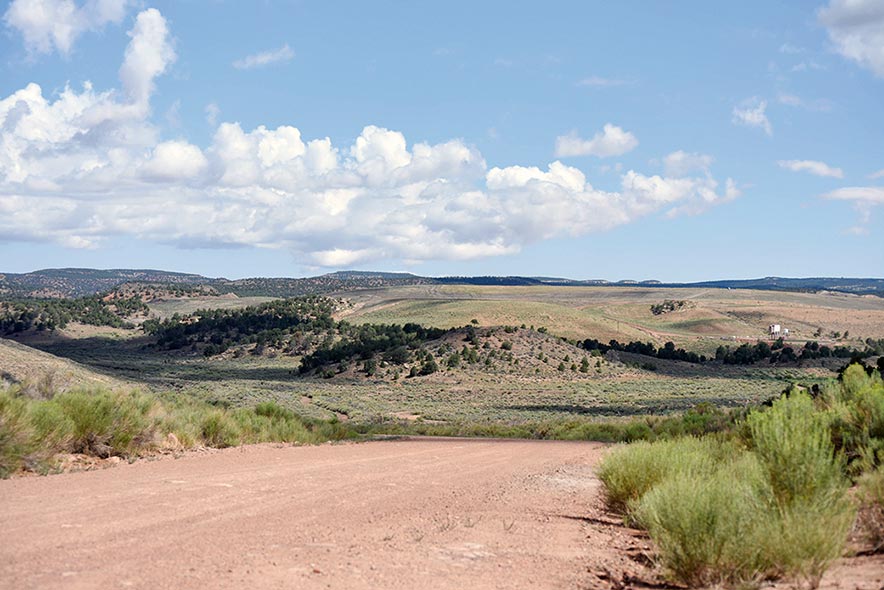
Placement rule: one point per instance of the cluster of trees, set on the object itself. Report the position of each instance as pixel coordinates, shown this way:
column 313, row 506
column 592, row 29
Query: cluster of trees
column 394, row 343
column 747, row 354
column 219, row 329
column 21, row 315
column 668, row 352
column 667, row 306
column 301, row 325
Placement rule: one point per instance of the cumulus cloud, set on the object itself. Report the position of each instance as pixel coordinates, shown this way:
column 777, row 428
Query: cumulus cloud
column 856, row 28
column 878, row 174
column 55, row 25
column 752, row 114
column 84, row 165
column 174, row 160
column 148, row 55
column 265, row 58
column 610, row 141
column 812, row 166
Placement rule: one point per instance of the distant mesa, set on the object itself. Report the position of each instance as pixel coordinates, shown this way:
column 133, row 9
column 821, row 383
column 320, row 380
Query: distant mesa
column 78, row 282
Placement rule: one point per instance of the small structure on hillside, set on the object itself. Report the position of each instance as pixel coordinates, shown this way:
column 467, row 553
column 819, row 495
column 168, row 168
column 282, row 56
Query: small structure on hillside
column 774, row 330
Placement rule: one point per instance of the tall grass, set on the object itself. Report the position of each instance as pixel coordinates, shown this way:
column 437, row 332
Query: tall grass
column 103, row 423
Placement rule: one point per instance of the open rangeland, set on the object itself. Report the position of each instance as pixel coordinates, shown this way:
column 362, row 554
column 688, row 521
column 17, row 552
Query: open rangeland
column 623, row 313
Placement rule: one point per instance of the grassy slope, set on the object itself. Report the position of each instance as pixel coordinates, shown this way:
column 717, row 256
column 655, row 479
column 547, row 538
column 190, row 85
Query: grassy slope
column 23, row 363
column 624, row 312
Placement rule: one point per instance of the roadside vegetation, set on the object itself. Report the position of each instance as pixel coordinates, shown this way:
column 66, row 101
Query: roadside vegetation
column 102, row 423
column 767, row 496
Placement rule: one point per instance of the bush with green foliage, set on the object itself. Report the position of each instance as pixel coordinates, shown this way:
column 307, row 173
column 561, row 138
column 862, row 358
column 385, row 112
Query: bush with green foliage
column 707, row 524
column 871, row 508
column 721, row 512
column 127, row 424
column 632, row 471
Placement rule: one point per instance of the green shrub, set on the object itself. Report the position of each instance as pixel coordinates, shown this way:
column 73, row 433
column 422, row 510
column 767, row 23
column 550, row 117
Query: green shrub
column 871, row 508
column 16, row 434
column 218, row 429
column 856, row 410
column 274, row 411
column 631, row 471
column 53, row 433
column 794, row 443
column 706, row 526
column 801, row 541
column 105, row 423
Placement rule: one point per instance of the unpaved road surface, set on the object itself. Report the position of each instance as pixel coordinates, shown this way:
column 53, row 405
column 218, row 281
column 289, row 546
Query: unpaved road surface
column 417, row 513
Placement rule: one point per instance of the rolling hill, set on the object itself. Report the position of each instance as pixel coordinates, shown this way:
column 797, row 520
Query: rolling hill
column 77, row 282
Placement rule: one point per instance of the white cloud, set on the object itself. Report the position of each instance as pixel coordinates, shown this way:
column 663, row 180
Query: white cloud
column 878, row 174
column 611, row 141
column 812, row 166
column 856, row 28
column 47, row 25
column 600, row 82
column 873, row 195
column 863, row 199
column 682, row 163
column 265, row 58
column 148, row 55
column 752, row 114
column 174, row 160
column 81, row 166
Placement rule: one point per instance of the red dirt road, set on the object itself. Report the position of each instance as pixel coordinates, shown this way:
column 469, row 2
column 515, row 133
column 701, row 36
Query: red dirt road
column 419, row 513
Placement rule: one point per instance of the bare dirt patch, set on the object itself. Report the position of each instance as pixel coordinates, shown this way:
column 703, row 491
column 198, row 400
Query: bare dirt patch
column 393, row 514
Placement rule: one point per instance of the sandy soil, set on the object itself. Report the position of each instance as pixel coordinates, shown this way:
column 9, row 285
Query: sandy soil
column 391, row 514
column 416, row 513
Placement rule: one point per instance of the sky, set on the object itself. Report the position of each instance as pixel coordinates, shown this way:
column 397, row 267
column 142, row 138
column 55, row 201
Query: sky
column 638, row 140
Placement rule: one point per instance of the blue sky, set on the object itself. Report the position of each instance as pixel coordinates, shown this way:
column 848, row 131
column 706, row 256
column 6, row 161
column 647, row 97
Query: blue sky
column 627, row 140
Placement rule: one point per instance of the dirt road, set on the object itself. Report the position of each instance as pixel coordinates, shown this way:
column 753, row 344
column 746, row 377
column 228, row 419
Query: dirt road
column 389, row 514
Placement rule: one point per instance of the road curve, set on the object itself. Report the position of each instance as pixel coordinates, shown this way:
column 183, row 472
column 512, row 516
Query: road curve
column 414, row 513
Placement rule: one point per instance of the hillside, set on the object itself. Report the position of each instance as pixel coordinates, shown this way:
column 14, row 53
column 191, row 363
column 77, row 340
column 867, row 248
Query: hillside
column 23, row 364
column 77, row 282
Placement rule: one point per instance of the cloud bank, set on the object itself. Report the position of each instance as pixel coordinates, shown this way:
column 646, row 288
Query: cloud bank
column 83, row 166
